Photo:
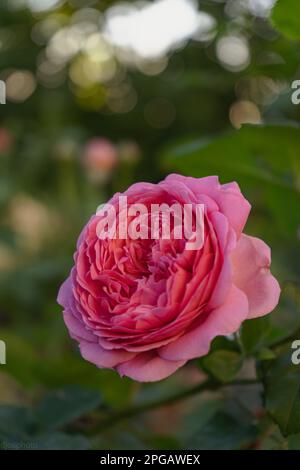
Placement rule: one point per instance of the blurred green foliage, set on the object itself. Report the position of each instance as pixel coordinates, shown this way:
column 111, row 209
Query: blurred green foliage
column 206, row 107
column 285, row 17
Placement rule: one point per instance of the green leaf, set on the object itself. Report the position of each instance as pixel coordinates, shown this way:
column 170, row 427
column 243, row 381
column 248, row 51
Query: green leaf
column 33, row 428
column 294, row 442
column 14, row 422
column 223, row 433
column 266, row 354
column 64, row 406
column 222, row 364
column 282, row 393
column 271, row 437
column 217, row 428
column 224, row 343
column 200, row 416
column 61, row 441
column 286, row 18
column 254, row 334
column 263, row 159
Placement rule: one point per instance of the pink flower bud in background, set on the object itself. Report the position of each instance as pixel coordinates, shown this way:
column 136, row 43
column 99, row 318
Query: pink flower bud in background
column 100, row 157
column 6, row 140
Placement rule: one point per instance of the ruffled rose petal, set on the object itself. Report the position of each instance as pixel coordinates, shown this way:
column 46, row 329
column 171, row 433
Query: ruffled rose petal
column 229, row 198
column 149, row 367
column 101, row 357
column 251, row 273
column 234, row 206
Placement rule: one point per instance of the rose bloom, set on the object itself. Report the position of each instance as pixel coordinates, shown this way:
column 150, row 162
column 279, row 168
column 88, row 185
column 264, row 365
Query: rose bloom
column 145, row 307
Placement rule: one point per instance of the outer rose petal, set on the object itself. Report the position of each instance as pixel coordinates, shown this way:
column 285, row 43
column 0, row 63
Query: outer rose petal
column 77, row 329
column 234, row 206
column 65, row 293
column 251, row 262
column 101, row 357
column 148, row 367
column 224, row 320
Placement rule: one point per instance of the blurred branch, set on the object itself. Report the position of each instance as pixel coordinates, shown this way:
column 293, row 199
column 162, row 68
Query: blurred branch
column 208, row 385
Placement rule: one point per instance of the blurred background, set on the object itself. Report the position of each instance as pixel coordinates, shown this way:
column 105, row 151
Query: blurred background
column 101, row 94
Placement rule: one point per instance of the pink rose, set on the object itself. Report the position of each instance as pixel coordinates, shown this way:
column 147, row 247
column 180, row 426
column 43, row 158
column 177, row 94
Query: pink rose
column 145, row 307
